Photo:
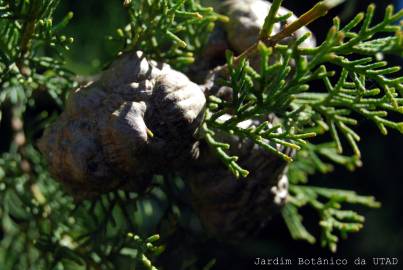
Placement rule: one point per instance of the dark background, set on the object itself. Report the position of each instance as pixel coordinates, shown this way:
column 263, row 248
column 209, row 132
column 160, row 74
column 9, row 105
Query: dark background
column 380, row 176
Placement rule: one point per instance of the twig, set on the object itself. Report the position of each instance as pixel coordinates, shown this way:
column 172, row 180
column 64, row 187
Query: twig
column 319, row 10
column 28, row 31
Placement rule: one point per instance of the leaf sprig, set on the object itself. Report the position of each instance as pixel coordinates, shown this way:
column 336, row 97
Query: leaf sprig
column 320, row 91
column 168, row 30
column 285, row 88
column 26, row 31
column 332, row 217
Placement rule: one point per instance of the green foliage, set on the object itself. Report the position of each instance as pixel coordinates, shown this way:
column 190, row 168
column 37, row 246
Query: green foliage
column 168, row 30
column 332, row 217
column 26, row 33
column 284, row 88
column 314, row 92
column 43, row 228
column 310, row 160
column 316, row 158
column 143, row 247
column 271, row 19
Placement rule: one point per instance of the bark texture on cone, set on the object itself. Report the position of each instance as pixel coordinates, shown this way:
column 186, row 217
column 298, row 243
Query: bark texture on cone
column 138, row 119
column 246, row 20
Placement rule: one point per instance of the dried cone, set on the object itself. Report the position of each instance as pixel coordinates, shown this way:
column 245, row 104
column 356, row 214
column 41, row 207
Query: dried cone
column 138, row 119
column 246, row 20
column 242, row 31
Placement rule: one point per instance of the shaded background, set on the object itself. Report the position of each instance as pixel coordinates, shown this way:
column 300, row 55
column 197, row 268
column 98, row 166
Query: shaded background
column 381, row 175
